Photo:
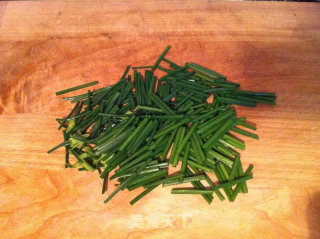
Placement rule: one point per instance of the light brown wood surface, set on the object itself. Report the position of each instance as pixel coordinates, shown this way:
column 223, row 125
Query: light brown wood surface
column 265, row 46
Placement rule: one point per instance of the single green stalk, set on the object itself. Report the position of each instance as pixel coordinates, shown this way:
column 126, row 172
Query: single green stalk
column 77, row 88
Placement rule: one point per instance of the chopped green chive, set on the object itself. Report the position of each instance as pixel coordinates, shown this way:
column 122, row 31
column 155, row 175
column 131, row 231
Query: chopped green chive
column 148, row 108
column 141, row 195
column 205, row 191
column 140, row 67
column 218, row 134
column 184, row 161
column 76, row 88
column 185, row 180
column 125, row 131
column 161, row 57
column 245, row 133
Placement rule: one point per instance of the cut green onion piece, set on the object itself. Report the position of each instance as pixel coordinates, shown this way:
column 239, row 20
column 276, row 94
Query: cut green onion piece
column 234, row 169
column 245, row 133
column 205, row 71
column 148, row 108
column 211, row 184
column 218, row 134
column 184, row 160
column 171, row 127
column 161, row 57
column 161, row 104
column 220, row 157
column 185, row 180
column 190, row 191
column 198, row 166
column 140, row 67
column 122, row 186
column 134, row 133
column 236, row 101
column 242, row 123
column 141, row 195
column 77, row 88
column 204, row 191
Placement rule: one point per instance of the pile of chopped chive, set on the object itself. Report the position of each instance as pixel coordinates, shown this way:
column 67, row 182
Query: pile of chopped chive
column 126, row 131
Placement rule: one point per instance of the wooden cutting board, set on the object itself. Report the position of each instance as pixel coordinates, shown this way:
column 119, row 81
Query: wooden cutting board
column 265, row 46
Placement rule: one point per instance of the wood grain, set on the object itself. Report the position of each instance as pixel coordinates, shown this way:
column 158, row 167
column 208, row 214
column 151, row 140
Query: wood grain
column 265, row 46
